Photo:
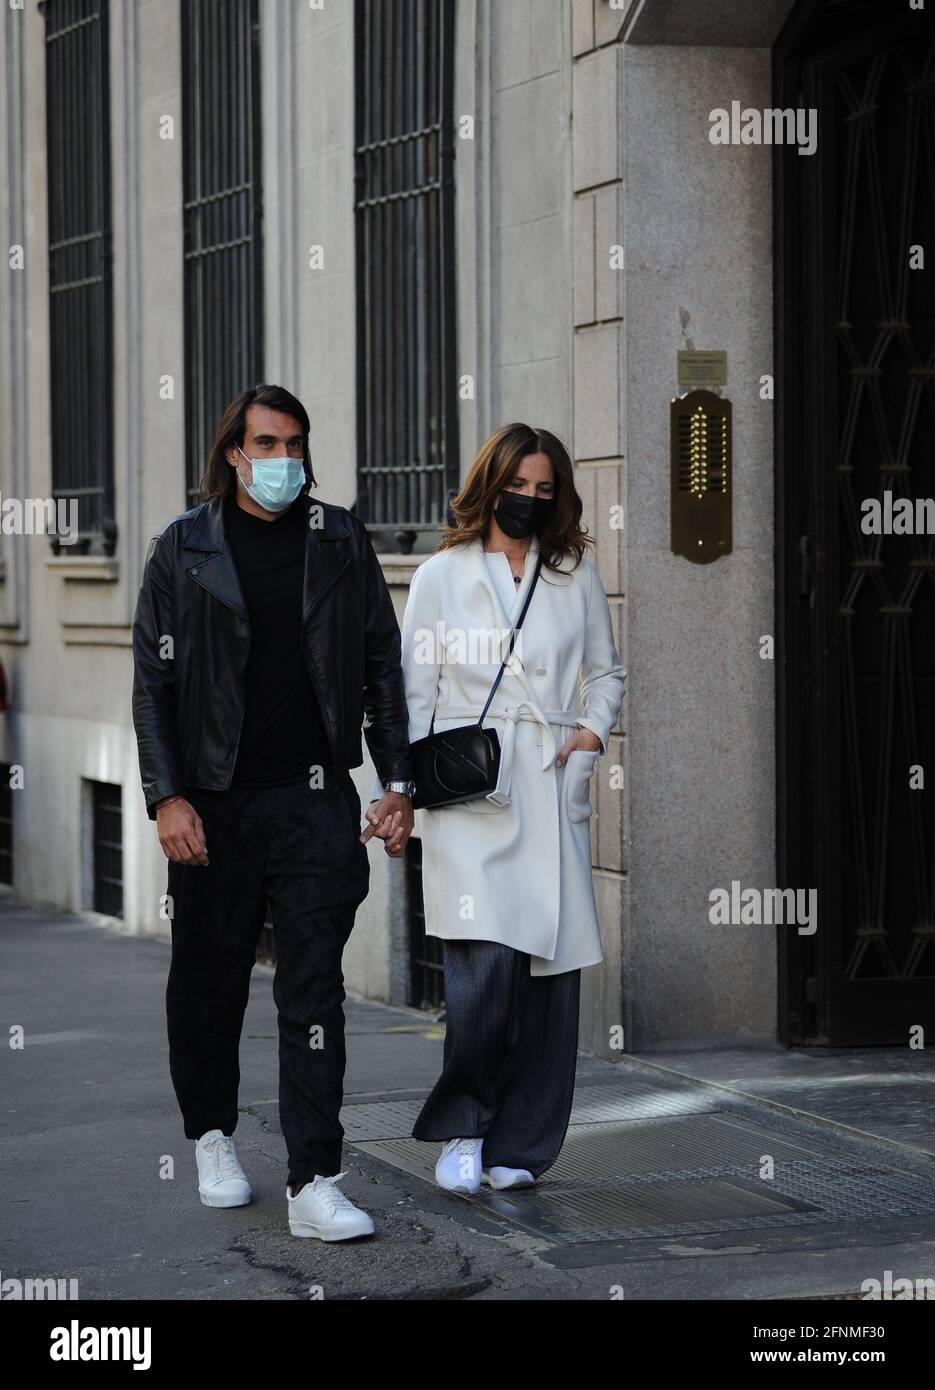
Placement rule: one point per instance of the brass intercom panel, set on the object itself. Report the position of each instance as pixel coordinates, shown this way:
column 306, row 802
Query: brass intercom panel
column 701, row 466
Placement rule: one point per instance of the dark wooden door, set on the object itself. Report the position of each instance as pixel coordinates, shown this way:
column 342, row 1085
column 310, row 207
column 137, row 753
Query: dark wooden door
column 855, row 419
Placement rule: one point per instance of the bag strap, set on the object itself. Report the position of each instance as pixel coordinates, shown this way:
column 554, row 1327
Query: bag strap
column 519, row 623
column 513, row 637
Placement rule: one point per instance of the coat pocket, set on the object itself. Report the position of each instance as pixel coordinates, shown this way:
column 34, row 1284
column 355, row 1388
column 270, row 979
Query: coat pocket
column 578, row 770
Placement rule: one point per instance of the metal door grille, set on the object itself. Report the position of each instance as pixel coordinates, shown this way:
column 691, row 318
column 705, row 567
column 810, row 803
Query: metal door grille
column 856, row 349
column 80, row 253
column 884, row 590
column 222, row 215
column 404, row 176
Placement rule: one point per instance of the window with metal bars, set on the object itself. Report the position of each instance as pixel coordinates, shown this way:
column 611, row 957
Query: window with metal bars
column 407, row 426
column 80, row 292
column 107, row 847
column 222, row 216
column 6, row 825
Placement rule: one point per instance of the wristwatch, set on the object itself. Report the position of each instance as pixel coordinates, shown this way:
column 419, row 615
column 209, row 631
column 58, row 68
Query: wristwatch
column 404, row 788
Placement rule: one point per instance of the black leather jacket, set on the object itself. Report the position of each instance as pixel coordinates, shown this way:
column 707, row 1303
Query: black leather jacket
column 191, row 639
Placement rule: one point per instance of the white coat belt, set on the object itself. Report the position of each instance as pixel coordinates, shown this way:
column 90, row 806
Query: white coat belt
column 527, row 708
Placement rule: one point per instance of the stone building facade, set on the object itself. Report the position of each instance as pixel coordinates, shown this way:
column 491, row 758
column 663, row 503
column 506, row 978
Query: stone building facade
column 598, row 231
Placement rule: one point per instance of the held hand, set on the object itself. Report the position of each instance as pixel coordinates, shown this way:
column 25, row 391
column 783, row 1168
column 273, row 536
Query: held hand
column 582, row 739
column 391, row 820
column 181, row 832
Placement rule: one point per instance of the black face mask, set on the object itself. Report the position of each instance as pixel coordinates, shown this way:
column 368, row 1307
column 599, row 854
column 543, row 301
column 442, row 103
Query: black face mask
column 518, row 515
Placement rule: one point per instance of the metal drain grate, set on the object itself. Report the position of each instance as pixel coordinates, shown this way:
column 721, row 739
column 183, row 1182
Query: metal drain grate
column 386, row 1119
column 675, row 1147
column 602, row 1104
column 660, row 1150
column 687, row 1175
column 634, row 1208
column 860, row 1191
column 596, row 1101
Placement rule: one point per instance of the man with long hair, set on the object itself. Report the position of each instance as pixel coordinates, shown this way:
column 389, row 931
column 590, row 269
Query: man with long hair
column 264, row 633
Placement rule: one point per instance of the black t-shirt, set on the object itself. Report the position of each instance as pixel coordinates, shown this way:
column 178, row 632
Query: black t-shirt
column 283, row 734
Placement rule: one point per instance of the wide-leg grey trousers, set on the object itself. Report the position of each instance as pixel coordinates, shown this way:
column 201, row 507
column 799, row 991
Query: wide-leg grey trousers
column 511, row 1046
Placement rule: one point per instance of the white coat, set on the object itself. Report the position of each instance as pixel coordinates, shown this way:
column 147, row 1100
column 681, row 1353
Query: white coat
column 514, row 867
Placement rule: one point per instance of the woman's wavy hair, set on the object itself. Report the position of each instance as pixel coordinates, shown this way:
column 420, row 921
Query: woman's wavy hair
column 493, row 468
column 218, row 478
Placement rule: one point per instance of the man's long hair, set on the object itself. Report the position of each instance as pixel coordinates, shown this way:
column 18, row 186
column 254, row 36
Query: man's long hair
column 219, row 478
column 493, row 468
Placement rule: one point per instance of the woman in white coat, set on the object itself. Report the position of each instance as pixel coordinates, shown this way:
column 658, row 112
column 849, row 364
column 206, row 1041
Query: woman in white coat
column 507, row 878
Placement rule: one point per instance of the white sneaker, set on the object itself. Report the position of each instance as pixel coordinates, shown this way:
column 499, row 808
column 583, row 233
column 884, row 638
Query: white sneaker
column 221, row 1180
column 500, row 1177
column 321, row 1209
column 459, row 1165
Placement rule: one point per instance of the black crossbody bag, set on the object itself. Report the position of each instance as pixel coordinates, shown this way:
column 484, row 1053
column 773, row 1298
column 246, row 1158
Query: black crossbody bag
column 462, row 764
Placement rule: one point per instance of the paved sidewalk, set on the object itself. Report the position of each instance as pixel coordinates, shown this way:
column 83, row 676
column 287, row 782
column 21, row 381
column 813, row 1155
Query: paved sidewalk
column 664, row 1188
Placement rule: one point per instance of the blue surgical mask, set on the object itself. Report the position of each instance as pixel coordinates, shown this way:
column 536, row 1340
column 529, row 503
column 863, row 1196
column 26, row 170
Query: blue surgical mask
column 276, row 482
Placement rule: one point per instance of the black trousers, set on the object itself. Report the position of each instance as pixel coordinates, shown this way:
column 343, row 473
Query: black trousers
column 300, row 848
column 511, row 1045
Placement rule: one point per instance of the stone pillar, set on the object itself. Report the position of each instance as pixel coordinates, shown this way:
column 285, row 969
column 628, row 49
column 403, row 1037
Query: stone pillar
column 599, row 377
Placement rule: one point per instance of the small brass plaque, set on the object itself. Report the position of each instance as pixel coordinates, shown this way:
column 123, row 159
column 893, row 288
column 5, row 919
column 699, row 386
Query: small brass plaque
column 702, row 368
